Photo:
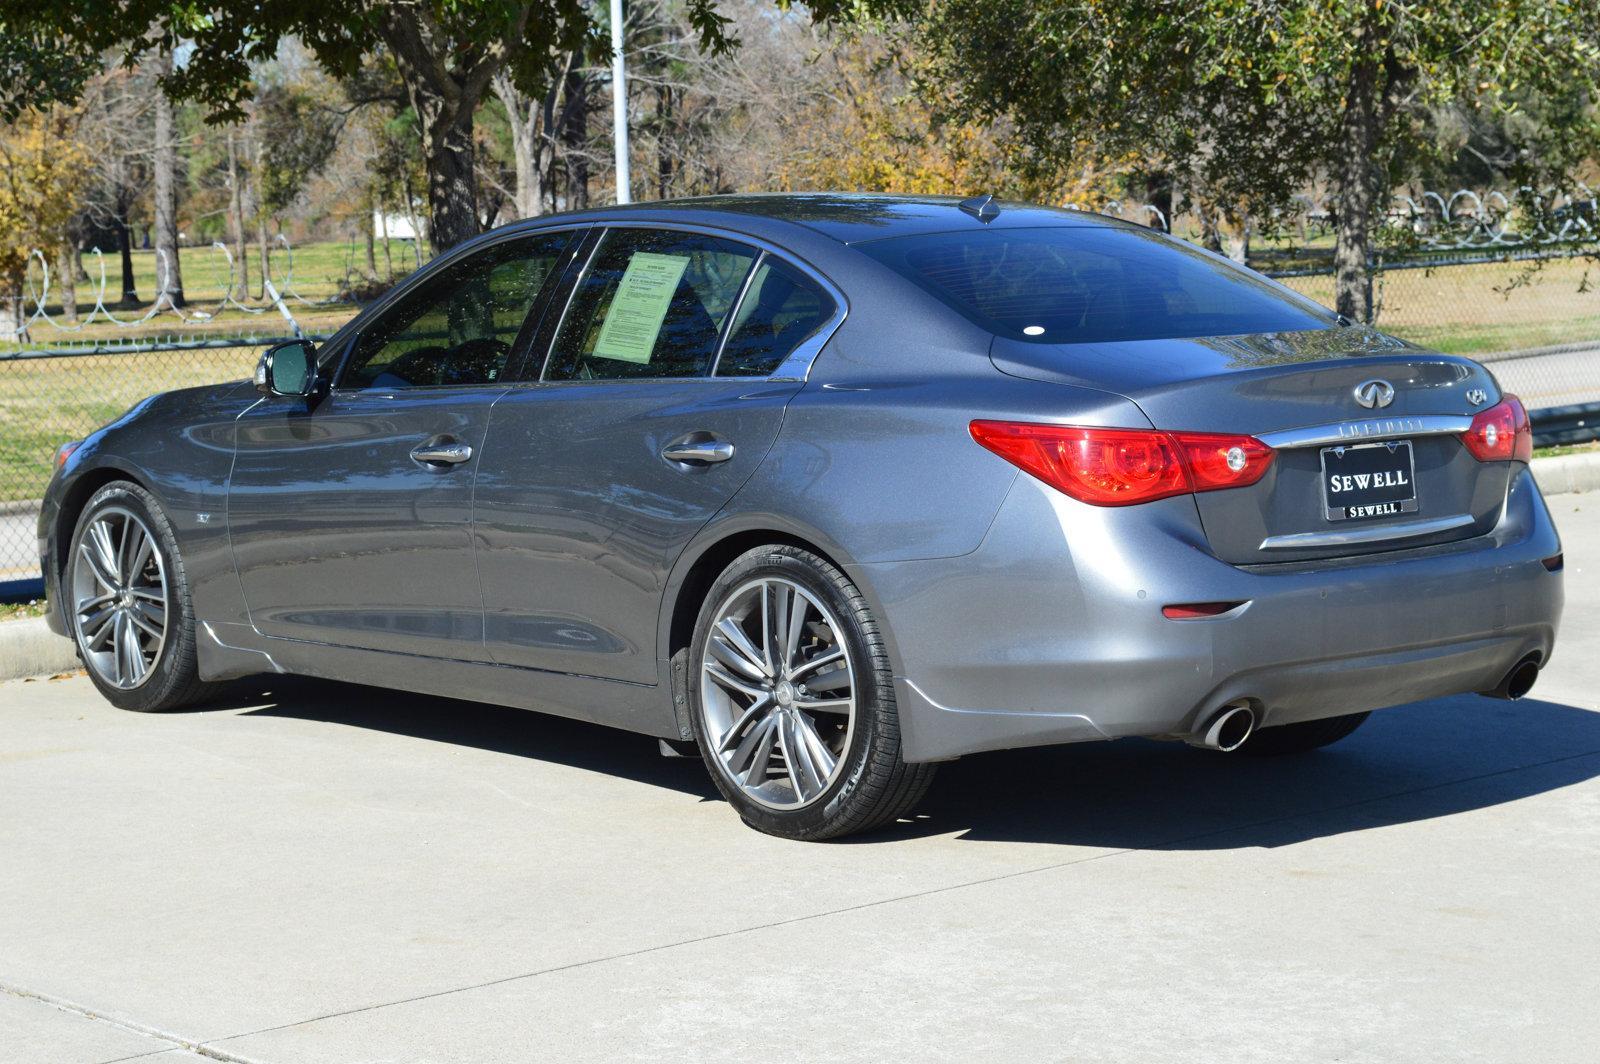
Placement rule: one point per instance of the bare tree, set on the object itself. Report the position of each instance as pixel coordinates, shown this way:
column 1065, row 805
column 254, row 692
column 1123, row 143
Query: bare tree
column 169, row 267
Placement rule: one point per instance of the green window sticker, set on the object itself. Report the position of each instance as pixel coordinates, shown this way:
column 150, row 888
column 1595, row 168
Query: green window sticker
column 640, row 306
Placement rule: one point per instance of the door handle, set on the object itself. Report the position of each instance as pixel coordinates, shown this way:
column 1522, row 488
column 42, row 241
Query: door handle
column 442, row 451
column 698, row 447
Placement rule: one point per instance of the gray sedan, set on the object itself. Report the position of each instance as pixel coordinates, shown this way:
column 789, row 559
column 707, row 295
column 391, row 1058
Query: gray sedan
column 826, row 490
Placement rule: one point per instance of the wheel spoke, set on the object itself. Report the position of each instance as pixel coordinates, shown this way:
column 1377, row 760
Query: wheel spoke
column 826, row 705
column 158, row 595
column 797, row 758
column 821, row 756
column 139, row 555
column 730, row 682
column 85, row 605
column 153, row 626
column 734, row 649
column 766, row 629
column 758, row 708
column 820, row 661
column 750, row 758
column 135, row 650
column 795, row 629
column 97, row 627
column 89, row 551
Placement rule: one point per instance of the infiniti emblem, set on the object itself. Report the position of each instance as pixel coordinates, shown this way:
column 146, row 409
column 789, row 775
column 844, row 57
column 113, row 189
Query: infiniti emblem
column 1374, row 394
column 1477, row 396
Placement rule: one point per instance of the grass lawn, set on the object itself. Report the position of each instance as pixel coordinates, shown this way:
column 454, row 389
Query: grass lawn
column 1456, row 309
column 12, row 611
column 45, row 402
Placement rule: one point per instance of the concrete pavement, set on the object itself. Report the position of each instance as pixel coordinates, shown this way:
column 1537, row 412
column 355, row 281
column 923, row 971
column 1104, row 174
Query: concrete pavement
column 319, row 873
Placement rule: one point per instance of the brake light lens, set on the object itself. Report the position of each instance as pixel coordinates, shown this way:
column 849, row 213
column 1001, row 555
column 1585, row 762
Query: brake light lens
column 1121, row 467
column 1501, row 433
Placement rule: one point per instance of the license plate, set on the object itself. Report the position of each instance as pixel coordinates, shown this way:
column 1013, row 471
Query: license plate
column 1369, row 480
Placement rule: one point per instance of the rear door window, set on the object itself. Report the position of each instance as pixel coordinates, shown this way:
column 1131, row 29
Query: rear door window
column 651, row 303
column 1093, row 284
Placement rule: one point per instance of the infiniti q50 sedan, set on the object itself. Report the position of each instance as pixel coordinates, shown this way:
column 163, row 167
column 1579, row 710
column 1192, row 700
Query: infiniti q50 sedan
column 830, row 489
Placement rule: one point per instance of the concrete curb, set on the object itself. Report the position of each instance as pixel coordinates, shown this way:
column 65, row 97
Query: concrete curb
column 1568, row 472
column 29, row 648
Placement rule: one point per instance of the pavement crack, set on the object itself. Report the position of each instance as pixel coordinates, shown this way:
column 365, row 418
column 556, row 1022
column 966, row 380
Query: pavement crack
column 177, row 1041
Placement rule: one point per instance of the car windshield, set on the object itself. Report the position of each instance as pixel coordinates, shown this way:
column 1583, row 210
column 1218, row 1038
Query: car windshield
column 1093, row 284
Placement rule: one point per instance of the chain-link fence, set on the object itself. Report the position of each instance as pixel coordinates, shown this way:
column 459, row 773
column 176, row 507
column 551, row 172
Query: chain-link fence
column 1538, row 330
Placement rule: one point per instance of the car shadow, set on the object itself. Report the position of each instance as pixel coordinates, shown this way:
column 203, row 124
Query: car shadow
column 1416, row 762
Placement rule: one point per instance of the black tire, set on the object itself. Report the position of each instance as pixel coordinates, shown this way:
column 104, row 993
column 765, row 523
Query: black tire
column 1303, row 737
column 173, row 677
column 874, row 785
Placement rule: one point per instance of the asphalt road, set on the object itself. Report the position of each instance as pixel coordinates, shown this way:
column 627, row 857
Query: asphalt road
column 325, row 874
column 1551, row 380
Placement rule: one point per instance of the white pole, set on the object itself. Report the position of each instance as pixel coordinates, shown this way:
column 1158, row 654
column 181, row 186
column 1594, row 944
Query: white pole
column 619, row 104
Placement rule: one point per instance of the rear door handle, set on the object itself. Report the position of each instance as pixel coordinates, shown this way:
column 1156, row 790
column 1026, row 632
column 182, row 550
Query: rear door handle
column 442, row 451
column 698, row 447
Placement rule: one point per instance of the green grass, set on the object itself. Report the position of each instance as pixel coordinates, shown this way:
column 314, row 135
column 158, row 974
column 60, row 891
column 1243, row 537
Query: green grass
column 45, row 402
column 15, row 611
column 1568, row 448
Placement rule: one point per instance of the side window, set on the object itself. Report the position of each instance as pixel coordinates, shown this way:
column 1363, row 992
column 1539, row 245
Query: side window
column 651, row 304
column 781, row 310
column 458, row 327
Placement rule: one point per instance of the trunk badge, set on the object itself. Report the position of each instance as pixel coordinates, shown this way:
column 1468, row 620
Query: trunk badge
column 1374, row 394
column 1477, row 396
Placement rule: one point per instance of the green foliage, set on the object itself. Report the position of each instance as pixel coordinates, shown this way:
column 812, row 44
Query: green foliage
column 36, row 71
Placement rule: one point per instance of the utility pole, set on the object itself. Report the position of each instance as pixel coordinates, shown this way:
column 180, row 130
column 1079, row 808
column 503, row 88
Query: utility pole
column 619, row 105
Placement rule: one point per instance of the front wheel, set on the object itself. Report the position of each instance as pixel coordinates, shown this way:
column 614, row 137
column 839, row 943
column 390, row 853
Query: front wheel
column 794, row 708
column 127, row 602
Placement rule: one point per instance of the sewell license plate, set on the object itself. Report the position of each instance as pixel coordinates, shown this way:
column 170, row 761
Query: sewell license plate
column 1369, row 480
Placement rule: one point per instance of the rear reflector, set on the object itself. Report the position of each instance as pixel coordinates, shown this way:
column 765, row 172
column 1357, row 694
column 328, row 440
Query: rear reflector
column 1189, row 611
column 1120, row 467
column 1554, row 563
column 1501, row 433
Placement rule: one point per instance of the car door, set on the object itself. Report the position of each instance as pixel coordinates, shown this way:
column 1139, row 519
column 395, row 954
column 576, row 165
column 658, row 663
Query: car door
column 350, row 517
column 597, row 474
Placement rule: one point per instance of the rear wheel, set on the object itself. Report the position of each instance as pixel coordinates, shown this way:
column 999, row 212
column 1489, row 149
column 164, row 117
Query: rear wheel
column 794, row 710
column 128, row 603
column 1303, row 737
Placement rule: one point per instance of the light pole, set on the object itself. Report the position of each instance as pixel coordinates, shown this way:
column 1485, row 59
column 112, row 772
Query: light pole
column 619, row 104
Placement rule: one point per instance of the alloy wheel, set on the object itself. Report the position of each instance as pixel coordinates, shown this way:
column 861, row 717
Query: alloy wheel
column 119, row 595
column 777, row 693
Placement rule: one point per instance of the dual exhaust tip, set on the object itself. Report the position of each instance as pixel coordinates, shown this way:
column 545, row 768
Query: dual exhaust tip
column 1228, row 728
column 1225, row 729
column 1518, row 682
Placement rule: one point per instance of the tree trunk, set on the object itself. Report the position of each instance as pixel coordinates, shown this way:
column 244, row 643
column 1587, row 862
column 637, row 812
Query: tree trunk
column 1357, row 193
column 66, row 277
column 523, row 120
column 663, row 142
column 241, row 250
column 370, row 203
column 574, row 139
column 452, row 174
column 545, row 160
column 166, row 190
column 266, row 252
column 130, row 292
column 388, row 256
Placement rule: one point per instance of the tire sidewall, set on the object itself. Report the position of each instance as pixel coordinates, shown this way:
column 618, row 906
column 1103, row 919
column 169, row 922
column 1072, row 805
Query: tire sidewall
column 866, row 655
column 166, row 674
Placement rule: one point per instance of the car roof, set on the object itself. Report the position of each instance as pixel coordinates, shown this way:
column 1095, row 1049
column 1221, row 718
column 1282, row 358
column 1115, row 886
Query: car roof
column 848, row 217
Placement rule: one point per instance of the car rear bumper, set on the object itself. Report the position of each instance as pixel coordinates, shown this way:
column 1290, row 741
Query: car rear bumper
column 1052, row 630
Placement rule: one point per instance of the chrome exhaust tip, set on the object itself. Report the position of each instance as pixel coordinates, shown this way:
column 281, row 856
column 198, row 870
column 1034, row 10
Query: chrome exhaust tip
column 1518, row 682
column 1226, row 729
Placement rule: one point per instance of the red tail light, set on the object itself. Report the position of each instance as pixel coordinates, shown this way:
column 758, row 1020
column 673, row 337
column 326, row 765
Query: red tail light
column 1501, row 433
column 1120, row 467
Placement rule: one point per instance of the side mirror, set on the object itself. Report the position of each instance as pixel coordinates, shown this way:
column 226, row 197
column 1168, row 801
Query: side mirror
column 288, row 369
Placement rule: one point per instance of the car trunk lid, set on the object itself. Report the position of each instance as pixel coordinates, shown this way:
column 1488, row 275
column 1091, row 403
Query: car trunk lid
column 1408, row 479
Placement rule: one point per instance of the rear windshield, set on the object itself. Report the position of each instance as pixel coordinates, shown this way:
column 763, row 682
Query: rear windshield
column 1088, row 284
